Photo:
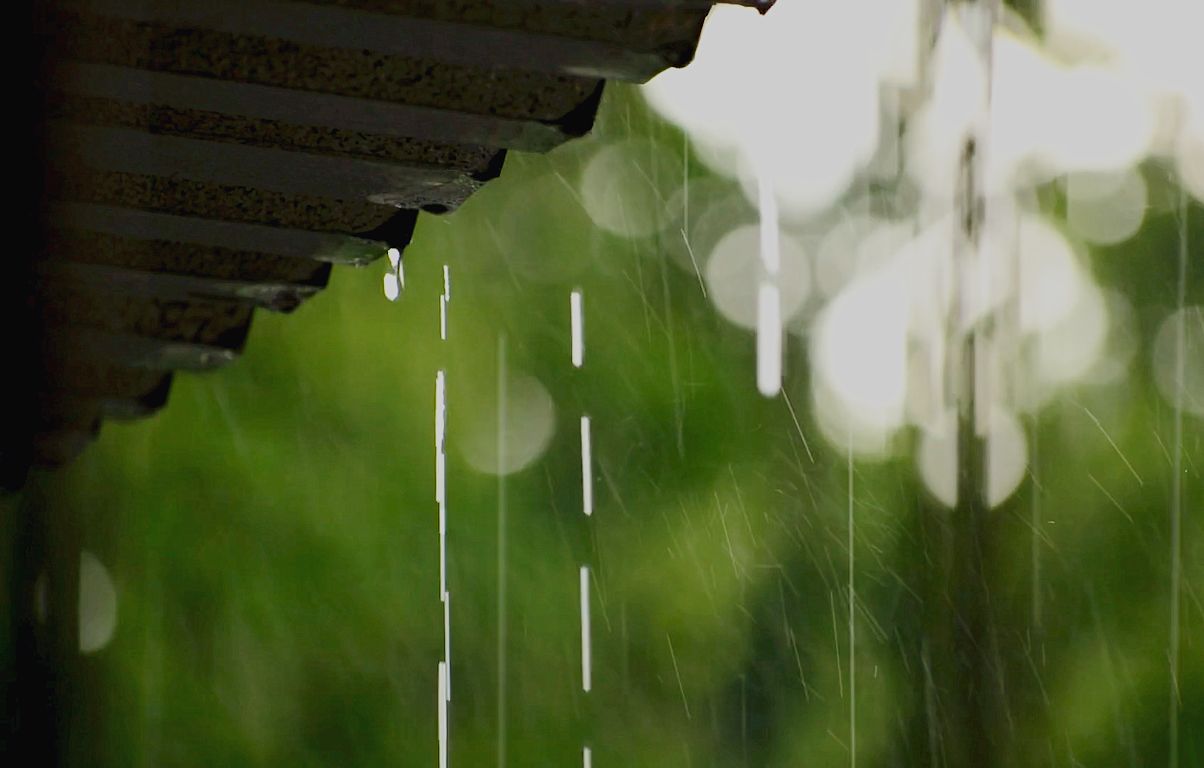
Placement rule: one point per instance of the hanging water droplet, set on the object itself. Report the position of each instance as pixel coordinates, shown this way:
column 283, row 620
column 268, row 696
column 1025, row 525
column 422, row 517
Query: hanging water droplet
column 392, row 287
column 395, row 281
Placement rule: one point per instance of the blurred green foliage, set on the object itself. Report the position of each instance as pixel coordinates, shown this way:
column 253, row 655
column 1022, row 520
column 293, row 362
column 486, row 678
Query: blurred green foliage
column 273, row 533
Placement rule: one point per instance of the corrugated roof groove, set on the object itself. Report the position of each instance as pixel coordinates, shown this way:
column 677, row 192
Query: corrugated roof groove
column 210, row 157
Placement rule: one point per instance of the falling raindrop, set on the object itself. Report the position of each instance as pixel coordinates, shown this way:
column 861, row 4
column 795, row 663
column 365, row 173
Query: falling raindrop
column 444, row 301
column 577, row 325
column 769, row 294
column 701, row 213
column 586, row 645
column 441, row 704
column 587, row 469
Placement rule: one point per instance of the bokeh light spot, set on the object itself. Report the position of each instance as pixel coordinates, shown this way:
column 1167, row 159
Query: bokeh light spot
column 1190, row 388
column 97, row 604
column 733, row 276
column 1106, row 208
column 530, row 421
column 1007, row 458
column 626, row 185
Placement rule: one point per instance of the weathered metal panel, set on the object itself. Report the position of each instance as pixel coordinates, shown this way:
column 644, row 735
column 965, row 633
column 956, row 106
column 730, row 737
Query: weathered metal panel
column 207, row 157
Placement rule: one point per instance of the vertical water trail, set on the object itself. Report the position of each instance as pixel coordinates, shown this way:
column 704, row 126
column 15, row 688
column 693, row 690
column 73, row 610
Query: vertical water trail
column 685, row 184
column 442, row 709
column 447, row 641
column 153, row 676
column 769, row 294
column 586, row 648
column 577, row 328
column 587, row 472
column 1176, row 506
column 444, row 668
column 970, row 701
column 852, row 616
column 674, row 374
column 441, row 500
column 1035, row 524
column 681, row 688
column 444, row 300
column 440, row 474
column 501, row 551
column 577, row 354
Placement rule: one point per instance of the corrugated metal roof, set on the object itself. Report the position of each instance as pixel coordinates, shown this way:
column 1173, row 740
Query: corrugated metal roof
column 211, row 157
